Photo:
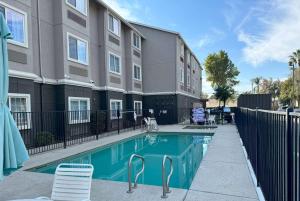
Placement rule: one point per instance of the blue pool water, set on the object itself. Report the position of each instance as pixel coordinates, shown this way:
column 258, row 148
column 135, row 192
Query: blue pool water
column 110, row 163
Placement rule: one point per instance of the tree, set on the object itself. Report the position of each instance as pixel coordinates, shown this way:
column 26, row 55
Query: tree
column 223, row 93
column 295, row 57
column 286, row 94
column 257, row 81
column 220, row 70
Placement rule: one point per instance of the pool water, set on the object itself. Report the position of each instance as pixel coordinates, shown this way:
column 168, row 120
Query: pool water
column 111, row 162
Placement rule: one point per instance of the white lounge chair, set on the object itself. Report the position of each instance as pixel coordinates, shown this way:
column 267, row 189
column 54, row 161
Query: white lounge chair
column 72, row 182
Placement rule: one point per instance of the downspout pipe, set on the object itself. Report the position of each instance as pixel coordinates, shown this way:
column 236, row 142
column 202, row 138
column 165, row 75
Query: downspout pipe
column 40, row 63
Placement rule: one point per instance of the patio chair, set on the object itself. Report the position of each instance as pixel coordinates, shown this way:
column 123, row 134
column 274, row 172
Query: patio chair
column 211, row 120
column 151, row 124
column 72, row 182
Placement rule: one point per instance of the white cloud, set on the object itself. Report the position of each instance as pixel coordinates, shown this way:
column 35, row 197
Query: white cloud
column 126, row 9
column 280, row 35
column 204, row 41
column 209, row 39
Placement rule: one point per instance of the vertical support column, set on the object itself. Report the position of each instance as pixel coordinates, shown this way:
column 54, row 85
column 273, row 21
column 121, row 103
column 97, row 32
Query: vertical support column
column 289, row 155
column 118, row 114
column 257, row 148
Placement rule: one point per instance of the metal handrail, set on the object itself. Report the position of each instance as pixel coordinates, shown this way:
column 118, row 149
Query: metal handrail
column 165, row 182
column 130, row 187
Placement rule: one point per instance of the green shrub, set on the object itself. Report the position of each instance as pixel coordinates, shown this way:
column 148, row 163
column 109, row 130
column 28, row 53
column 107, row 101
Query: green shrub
column 44, row 138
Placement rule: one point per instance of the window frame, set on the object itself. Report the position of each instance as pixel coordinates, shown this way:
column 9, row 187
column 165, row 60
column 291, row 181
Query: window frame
column 188, row 75
column 72, row 98
column 182, row 50
column 141, row 109
column 85, row 13
column 28, row 108
column 68, row 49
column 139, row 39
column 120, row 62
column 140, row 67
column 110, row 107
column 25, row 25
column 119, row 23
column 181, row 75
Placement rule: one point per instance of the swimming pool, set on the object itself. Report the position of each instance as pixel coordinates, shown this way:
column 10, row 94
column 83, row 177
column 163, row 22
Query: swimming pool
column 110, row 162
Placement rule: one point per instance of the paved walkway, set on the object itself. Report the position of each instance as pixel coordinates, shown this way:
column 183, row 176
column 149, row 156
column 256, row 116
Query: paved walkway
column 223, row 174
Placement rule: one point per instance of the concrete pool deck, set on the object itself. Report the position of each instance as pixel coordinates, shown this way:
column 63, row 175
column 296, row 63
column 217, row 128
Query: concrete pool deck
column 223, row 174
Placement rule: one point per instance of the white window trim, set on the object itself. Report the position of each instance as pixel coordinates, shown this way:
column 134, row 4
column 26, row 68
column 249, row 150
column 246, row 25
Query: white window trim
column 25, row 44
column 140, row 40
column 119, row 34
column 141, row 102
column 83, row 13
column 120, row 58
column 188, row 81
column 87, row 49
column 28, row 106
column 71, row 98
column 140, row 67
column 181, row 70
column 121, row 107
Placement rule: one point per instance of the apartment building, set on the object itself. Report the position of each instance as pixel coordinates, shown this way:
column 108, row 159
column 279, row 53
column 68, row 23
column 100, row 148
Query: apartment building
column 80, row 55
column 172, row 74
column 70, row 55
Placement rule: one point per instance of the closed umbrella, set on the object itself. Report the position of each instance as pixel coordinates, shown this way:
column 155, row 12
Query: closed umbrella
column 13, row 152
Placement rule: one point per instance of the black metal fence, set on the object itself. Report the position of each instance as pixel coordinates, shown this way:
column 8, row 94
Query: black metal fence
column 271, row 140
column 44, row 131
column 52, row 130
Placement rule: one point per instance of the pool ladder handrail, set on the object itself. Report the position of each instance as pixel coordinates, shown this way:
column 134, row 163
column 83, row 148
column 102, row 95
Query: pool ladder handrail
column 165, row 182
column 130, row 187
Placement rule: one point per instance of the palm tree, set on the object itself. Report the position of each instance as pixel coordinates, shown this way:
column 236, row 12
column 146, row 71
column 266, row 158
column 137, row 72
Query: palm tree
column 295, row 57
column 257, row 81
column 293, row 61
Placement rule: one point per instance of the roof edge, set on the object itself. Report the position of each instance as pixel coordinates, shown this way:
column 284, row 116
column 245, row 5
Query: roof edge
column 120, row 17
column 171, row 32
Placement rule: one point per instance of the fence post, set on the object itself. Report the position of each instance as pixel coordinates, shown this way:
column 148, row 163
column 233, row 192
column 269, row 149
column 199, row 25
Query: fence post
column 247, row 134
column 65, row 130
column 97, row 126
column 289, row 154
column 257, row 148
column 118, row 114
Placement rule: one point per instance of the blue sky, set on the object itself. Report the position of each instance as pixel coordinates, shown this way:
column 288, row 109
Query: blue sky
column 257, row 34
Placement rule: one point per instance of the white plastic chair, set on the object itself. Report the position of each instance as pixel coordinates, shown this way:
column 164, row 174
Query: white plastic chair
column 72, row 182
column 211, row 120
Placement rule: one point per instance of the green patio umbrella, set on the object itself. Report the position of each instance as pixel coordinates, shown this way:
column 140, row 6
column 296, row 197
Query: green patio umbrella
column 13, row 152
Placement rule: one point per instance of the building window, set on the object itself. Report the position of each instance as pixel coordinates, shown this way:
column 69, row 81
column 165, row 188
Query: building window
column 77, row 49
column 114, row 63
column 114, row 25
column 138, row 108
column 137, row 72
column 182, row 50
column 181, row 75
column 115, row 105
column 79, row 5
column 188, row 58
column 20, row 107
column 17, row 23
column 79, row 110
column 188, row 78
column 136, row 41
